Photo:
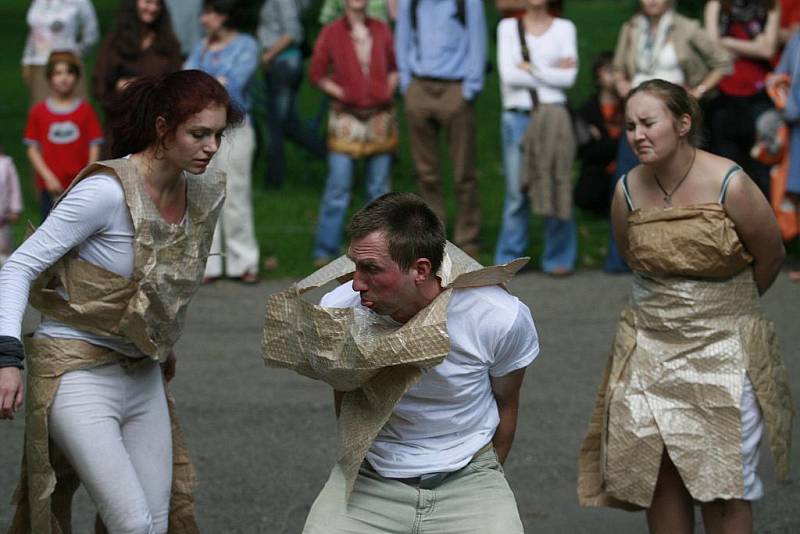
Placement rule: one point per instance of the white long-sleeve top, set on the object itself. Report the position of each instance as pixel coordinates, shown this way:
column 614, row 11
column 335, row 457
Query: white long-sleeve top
column 59, row 25
column 546, row 50
column 94, row 219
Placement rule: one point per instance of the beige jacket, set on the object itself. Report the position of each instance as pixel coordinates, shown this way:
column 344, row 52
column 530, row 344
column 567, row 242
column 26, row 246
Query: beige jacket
column 697, row 53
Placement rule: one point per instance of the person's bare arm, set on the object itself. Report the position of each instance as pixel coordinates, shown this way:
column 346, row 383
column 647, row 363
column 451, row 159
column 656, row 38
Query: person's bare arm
column 94, row 153
column 51, row 183
column 757, row 228
column 763, row 46
column 331, row 88
column 506, row 392
column 711, row 19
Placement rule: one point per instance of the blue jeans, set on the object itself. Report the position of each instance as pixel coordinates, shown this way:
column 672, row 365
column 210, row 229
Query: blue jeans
column 626, row 160
column 560, row 244
column 336, row 198
column 513, row 239
column 560, row 236
column 282, row 81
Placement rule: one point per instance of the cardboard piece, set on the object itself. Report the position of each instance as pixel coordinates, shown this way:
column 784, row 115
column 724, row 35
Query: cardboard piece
column 150, row 308
column 357, row 351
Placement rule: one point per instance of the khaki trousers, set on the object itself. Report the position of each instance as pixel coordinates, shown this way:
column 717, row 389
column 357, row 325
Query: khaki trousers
column 473, row 500
column 432, row 106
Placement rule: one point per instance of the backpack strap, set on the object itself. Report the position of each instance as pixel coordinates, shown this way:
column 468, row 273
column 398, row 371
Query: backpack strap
column 627, row 193
column 727, row 180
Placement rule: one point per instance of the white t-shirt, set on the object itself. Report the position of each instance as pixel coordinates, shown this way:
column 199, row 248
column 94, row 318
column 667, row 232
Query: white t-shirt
column 559, row 42
column 93, row 218
column 451, row 413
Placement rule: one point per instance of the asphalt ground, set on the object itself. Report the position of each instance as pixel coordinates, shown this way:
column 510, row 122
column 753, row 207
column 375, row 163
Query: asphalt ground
column 263, row 440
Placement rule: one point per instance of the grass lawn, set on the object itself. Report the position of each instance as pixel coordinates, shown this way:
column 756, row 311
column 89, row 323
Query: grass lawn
column 286, row 218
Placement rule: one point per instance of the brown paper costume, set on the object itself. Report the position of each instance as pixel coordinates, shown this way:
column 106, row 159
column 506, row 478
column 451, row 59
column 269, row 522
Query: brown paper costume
column 355, row 351
column 148, row 309
column 674, row 378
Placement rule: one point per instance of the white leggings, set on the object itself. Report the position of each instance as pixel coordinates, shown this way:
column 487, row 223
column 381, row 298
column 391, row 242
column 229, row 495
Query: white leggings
column 113, row 426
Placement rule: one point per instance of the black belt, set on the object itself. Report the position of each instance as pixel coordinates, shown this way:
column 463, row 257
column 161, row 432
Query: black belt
column 434, row 79
column 434, row 480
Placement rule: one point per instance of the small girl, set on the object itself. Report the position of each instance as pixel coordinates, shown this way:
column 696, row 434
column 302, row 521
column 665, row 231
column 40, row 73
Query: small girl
column 10, row 203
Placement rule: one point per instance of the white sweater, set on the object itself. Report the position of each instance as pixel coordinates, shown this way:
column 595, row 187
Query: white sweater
column 550, row 82
column 94, row 219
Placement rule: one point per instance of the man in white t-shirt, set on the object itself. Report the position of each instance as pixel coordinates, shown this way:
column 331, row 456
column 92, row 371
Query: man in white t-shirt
column 436, row 463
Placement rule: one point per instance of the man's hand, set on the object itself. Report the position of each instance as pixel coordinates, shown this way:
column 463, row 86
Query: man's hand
column 11, row 392
column 506, row 393
column 266, row 59
column 168, row 367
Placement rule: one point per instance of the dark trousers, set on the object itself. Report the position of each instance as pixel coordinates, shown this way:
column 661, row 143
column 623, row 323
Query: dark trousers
column 732, row 132
column 282, row 81
column 46, row 201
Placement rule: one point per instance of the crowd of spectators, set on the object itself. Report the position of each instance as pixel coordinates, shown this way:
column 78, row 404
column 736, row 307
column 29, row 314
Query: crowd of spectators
column 434, row 54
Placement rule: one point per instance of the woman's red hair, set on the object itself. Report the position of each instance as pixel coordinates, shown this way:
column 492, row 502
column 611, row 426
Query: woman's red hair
column 175, row 97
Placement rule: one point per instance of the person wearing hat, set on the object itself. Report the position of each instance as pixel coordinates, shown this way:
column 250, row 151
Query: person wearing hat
column 426, row 352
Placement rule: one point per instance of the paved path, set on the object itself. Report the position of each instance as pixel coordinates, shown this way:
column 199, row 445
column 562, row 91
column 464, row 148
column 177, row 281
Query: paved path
column 263, row 440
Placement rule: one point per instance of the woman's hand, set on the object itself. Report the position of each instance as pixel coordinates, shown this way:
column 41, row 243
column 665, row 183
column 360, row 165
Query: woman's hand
column 11, row 392
column 331, row 88
column 168, row 367
column 565, row 63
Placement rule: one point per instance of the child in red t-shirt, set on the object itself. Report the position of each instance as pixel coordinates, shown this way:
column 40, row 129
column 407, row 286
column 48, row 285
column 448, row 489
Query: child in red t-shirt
column 63, row 134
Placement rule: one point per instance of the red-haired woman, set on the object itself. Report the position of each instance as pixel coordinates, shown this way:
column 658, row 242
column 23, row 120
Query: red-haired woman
column 112, row 270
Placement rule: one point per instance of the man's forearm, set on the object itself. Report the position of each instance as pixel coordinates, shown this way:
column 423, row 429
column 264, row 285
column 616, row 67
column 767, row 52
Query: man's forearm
column 504, row 435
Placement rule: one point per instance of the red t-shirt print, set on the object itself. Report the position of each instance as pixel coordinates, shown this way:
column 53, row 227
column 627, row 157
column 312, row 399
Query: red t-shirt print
column 64, row 137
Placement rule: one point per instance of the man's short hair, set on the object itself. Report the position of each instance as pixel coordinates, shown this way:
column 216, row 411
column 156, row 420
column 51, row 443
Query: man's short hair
column 411, row 227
